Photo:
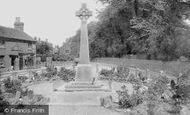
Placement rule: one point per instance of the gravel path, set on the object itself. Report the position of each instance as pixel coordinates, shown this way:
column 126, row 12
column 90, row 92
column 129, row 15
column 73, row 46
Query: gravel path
column 46, row 89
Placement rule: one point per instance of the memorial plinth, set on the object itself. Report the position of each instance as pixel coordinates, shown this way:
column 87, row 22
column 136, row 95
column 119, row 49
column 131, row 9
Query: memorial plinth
column 84, row 73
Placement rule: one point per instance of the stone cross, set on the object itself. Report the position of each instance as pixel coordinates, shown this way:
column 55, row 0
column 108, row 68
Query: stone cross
column 84, row 14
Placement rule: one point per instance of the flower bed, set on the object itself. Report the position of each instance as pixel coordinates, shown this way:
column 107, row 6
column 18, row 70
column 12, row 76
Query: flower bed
column 116, row 74
column 66, row 74
column 14, row 93
column 150, row 91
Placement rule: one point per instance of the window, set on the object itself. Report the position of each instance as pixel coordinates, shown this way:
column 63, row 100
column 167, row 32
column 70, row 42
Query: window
column 30, row 45
column 2, row 43
column 2, row 62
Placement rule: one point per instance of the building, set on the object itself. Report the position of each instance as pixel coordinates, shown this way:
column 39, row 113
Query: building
column 17, row 49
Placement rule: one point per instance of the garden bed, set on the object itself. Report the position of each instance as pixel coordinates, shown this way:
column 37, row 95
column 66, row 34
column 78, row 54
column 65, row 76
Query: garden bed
column 153, row 91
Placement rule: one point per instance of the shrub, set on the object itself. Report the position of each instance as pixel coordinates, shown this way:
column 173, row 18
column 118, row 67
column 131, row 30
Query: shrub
column 26, row 92
column 129, row 101
column 3, row 103
column 34, row 100
column 134, row 80
column 159, row 85
column 154, row 95
column 22, row 78
column 122, row 72
column 50, row 72
column 181, row 93
column 15, row 94
column 12, row 86
column 66, row 74
column 106, row 73
column 141, row 76
column 26, row 97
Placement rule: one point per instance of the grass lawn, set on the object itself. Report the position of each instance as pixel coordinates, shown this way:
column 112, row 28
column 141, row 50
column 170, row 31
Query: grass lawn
column 172, row 67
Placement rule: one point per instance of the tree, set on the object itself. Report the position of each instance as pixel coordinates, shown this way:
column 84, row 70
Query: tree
column 43, row 49
column 152, row 28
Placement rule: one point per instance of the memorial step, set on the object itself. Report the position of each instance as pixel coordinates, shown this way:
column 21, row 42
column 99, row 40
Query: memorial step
column 83, row 86
column 85, row 89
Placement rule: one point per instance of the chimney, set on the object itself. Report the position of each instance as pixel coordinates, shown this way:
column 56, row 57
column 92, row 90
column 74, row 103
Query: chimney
column 18, row 24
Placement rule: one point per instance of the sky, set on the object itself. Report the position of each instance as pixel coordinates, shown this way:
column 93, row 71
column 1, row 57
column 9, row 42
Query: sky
column 54, row 20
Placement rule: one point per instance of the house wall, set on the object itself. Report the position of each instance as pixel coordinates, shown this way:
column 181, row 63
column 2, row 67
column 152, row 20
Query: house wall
column 18, row 49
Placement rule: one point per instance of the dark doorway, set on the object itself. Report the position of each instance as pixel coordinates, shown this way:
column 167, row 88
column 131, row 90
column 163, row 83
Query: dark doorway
column 13, row 57
column 21, row 62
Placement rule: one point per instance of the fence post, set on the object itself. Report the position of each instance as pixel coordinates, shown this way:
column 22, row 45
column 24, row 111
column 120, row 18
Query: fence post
column 147, row 73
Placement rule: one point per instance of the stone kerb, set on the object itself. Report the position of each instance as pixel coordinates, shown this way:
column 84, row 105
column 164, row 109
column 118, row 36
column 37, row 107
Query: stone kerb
column 12, row 74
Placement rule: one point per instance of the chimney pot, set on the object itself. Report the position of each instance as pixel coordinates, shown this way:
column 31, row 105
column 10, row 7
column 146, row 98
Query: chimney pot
column 18, row 24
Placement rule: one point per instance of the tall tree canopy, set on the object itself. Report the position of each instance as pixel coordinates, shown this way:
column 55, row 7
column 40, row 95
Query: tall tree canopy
column 44, row 48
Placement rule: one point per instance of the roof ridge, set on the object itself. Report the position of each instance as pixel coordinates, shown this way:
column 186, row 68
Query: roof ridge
column 13, row 33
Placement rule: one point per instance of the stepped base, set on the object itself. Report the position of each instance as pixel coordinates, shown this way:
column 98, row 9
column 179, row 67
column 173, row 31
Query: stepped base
column 77, row 86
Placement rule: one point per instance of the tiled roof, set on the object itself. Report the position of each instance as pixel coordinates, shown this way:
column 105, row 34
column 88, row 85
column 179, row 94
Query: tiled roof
column 14, row 34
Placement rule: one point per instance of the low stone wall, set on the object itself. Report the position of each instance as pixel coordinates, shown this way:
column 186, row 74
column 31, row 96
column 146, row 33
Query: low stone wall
column 12, row 74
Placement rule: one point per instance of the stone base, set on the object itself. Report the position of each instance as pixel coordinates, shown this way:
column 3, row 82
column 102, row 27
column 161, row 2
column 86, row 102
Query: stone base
column 84, row 73
column 77, row 86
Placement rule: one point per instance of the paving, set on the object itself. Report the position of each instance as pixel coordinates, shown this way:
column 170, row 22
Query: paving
column 75, row 103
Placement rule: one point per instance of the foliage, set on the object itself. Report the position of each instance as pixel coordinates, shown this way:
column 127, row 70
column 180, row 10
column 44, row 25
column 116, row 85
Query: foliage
column 3, row 102
column 50, row 72
column 158, row 85
column 43, row 49
column 15, row 94
column 61, row 57
column 181, row 90
column 142, row 77
column 152, row 28
column 12, row 86
column 122, row 72
column 26, row 97
column 66, row 74
column 129, row 101
column 107, row 73
column 133, row 79
column 22, row 78
column 32, row 100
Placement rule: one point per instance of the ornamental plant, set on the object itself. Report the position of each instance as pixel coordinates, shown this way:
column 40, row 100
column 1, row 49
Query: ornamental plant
column 106, row 73
column 49, row 73
column 22, row 78
column 66, row 74
column 122, row 72
column 12, row 86
column 3, row 103
column 129, row 101
column 181, row 93
column 153, row 96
